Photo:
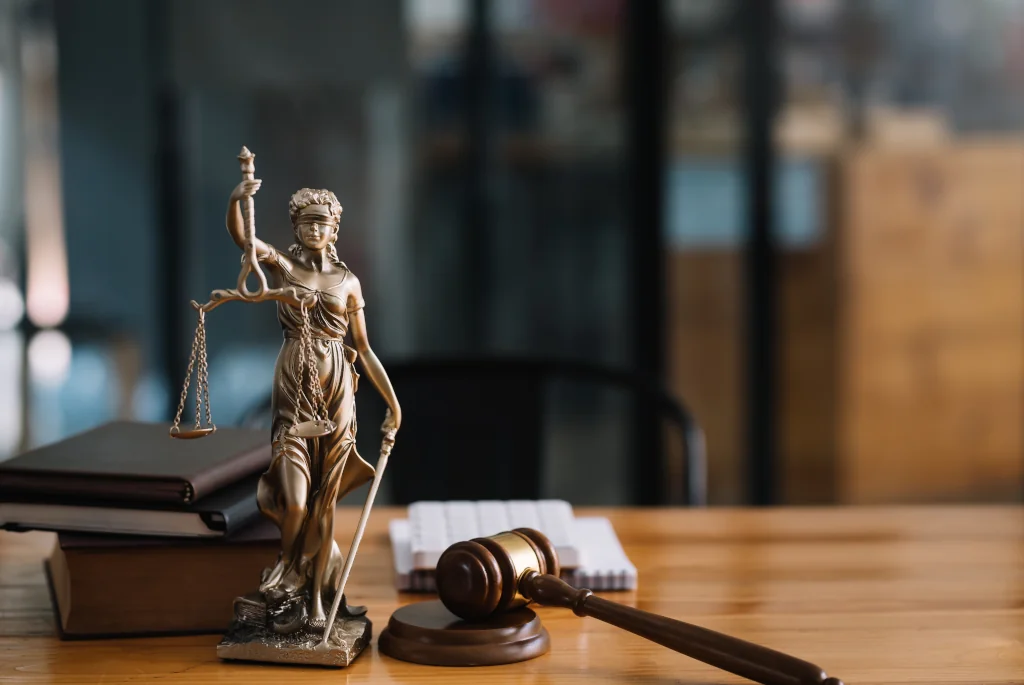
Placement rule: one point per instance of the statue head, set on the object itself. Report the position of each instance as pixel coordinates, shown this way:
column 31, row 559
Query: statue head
column 315, row 216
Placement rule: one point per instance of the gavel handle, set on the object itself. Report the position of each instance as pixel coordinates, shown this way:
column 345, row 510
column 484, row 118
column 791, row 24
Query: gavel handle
column 731, row 654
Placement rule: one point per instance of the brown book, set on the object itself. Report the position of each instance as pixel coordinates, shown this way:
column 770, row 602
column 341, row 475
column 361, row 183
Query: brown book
column 111, row 586
column 136, row 462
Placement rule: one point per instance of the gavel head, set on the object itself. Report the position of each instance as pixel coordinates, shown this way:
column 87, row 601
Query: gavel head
column 480, row 577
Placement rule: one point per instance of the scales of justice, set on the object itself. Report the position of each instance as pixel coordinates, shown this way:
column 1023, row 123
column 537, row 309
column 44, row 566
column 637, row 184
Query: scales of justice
column 314, row 459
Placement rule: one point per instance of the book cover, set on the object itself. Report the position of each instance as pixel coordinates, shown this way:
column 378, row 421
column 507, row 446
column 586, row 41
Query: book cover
column 105, row 586
column 136, row 462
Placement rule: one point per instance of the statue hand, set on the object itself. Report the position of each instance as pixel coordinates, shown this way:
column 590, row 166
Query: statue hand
column 391, row 425
column 245, row 189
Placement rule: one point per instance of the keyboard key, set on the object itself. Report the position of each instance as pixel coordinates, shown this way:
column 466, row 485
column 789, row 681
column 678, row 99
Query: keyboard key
column 461, row 520
column 523, row 514
column 558, row 524
column 493, row 517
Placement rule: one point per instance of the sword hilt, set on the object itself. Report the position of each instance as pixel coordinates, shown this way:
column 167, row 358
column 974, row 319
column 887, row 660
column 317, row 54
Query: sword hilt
column 250, row 262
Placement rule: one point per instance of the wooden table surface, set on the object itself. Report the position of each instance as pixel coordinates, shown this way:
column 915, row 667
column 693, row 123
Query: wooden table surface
column 879, row 595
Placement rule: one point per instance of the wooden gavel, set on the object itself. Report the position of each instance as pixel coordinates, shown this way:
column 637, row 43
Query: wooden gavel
column 485, row 576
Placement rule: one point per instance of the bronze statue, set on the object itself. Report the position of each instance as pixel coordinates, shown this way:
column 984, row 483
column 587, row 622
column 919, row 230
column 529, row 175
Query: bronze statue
column 314, row 462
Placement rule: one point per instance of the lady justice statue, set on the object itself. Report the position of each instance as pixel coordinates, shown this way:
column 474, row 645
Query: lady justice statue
column 314, row 459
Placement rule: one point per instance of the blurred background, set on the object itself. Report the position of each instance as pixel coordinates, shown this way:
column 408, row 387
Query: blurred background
column 790, row 231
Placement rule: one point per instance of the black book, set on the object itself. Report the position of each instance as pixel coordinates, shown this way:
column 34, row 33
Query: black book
column 219, row 514
column 137, row 462
column 133, row 478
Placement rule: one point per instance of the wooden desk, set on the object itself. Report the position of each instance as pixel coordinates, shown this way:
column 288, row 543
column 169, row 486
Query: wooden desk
column 899, row 595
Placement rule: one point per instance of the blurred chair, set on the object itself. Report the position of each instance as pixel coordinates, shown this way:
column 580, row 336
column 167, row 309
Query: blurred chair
column 475, row 428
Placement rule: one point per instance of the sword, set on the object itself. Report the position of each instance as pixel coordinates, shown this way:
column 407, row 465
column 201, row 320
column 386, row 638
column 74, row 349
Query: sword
column 385, row 451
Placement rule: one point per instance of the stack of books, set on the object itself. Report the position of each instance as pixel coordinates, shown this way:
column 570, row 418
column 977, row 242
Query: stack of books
column 154, row 536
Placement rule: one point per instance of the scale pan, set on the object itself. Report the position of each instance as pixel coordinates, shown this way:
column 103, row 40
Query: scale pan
column 191, row 434
column 312, row 429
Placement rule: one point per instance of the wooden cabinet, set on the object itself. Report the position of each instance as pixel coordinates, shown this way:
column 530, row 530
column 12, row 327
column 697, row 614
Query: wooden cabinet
column 931, row 323
column 901, row 352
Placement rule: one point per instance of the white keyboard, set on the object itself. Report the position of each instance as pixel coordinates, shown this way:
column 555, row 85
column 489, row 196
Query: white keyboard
column 607, row 567
column 434, row 526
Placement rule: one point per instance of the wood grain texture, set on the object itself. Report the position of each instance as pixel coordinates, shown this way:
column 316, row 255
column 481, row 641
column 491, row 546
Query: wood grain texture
column 873, row 595
column 931, row 373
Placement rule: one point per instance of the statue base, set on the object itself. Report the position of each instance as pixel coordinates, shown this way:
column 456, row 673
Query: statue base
column 252, row 637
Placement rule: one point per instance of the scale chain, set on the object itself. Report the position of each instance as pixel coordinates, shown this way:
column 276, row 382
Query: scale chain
column 302, row 362
column 317, row 404
column 203, row 382
column 317, row 400
column 199, row 373
column 200, row 333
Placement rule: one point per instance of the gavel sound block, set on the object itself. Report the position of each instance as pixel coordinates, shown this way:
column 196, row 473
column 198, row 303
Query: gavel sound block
column 482, row 617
